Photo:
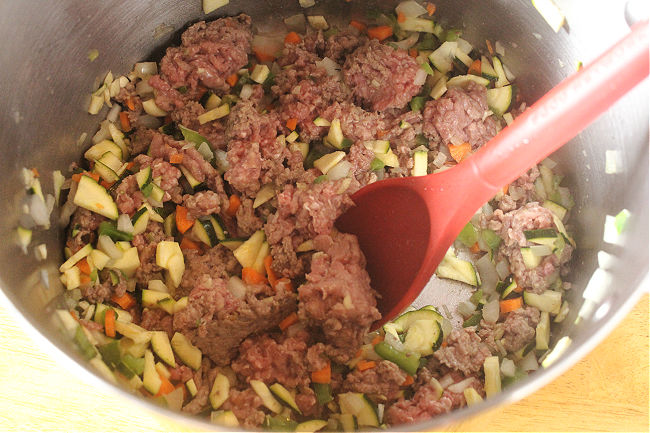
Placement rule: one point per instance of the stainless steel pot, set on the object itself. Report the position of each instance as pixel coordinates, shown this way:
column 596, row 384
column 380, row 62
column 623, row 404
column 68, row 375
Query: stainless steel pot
column 46, row 78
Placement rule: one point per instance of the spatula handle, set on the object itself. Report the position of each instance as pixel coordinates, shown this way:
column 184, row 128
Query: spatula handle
column 563, row 112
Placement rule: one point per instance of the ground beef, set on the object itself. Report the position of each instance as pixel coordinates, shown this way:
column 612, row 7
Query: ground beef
column 82, row 229
column 519, row 328
column 519, row 192
column 464, row 351
column 459, row 116
column 146, row 243
column 337, row 297
column 128, row 196
column 167, row 173
column 103, row 289
column 203, row 379
column 340, row 44
column 247, row 407
column 270, row 360
column 511, row 226
column 216, row 262
column 180, row 373
column 356, row 123
column 380, row 76
column 157, row 320
column 247, row 221
column 490, row 333
column 140, row 140
column 209, row 53
column 203, row 203
column 383, row 381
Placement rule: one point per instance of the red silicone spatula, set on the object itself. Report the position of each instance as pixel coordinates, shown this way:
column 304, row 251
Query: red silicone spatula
column 406, row 225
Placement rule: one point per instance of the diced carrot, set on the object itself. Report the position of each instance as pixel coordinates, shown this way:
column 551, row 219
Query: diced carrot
column 130, row 165
column 408, row 381
column 380, row 32
column 165, row 387
column 176, row 158
column 232, row 80
column 324, row 375
column 76, row 177
column 460, row 151
column 475, row 248
column 124, row 121
column 234, row 203
column 189, row 244
column 292, row 38
column 35, row 172
column 489, row 47
column 444, row 344
column 431, row 9
column 358, row 25
column 99, row 205
column 365, row 365
column 263, row 57
column 83, row 266
column 508, row 305
column 401, row 17
column 518, row 289
column 106, row 184
column 292, row 123
column 183, row 221
column 505, row 189
column 288, row 321
column 475, row 68
column 359, row 353
column 284, row 284
column 413, row 52
column 251, row 276
column 270, row 273
column 95, row 176
column 381, row 133
column 125, row 301
column 74, row 315
column 84, row 279
column 130, row 104
column 109, row 323
column 378, row 339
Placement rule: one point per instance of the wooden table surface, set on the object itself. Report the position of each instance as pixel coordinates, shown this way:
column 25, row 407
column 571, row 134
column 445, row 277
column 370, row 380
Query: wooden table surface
column 606, row 391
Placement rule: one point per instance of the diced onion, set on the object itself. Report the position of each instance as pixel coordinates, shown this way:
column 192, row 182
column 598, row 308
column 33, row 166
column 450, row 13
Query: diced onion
column 237, row 287
column 460, row 386
column 332, row 68
column 487, row 210
column 114, row 113
column 420, row 77
column 106, row 244
column 503, row 269
column 466, row 308
column 103, row 133
column 516, row 192
column 296, row 23
column 508, row 367
column 408, row 42
column 548, row 163
column 38, row 211
column 491, row 311
column 143, row 88
column 499, row 48
column 446, row 380
column 246, row 91
column 410, row 8
column 541, row 250
column 205, row 151
column 488, row 273
column 306, row 3
column 221, row 160
column 440, row 159
column 339, row 171
column 509, row 75
column 66, row 211
column 124, row 223
column 529, row 363
column 145, row 69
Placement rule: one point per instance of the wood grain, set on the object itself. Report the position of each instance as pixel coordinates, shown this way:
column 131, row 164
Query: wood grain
column 606, row 391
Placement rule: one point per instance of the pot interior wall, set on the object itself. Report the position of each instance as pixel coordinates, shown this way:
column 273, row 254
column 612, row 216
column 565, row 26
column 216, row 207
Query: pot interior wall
column 47, row 79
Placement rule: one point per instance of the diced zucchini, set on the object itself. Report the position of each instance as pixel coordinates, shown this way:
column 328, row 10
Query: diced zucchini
column 219, row 391
column 312, row 425
column 263, row 392
column 214, row 114
column 414, row 24
column 285, row 396
column 232, row 243
column 128, row 263
column 248, row 251
column 348, row 422
column 150, row 298
column 335, row 135
column 549, row 301
column 319, row 121
column 378, row 146
column 133, row 331
column 420, row 163
column 499, row 99
column 143, row 177
column 165, row 250
column 301, row 147
column 99, row 149
column 456, row 269
column 463, row 81
column 492, row 375
column 501, row 75
column 105, row 172
column 140, row 221
column 543, row 331
column 487, row 71
column 150, row 379
column 440, row 88
column 83, row 252
column 260, row 73
column 94, row 197
column 531, row 260
column 463, row 58
column 326, row 162
column 555, row 208
column 188, row 176
column 308, row 245
column 423, row 337
column 468, row 236
column 110, row 160
column 361, row 407
column 203, row 230
column 191, row 387
column 212, row 5
column 152, row 109
column 169, row 225
column 318, row 22
column 168, row 305
column 161, row 346
column 472, row 397
column 442, row 58
column 389, row 158
column 224, row 417
column 258, row 264
column 506, row 287
column 186, row 351
column 266, row 193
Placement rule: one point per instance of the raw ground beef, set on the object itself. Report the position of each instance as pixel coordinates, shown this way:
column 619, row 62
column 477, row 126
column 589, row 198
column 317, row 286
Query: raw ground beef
column 459, row 117
column 217, row 262
column 83, row 229
column 383, row 381
column 167, row 173
column 464, row 351
column 519, row 328
column 380, row 76
column 146, row 243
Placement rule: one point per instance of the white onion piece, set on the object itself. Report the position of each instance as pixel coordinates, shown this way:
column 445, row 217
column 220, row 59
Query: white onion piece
column 269, row 44
column 549, row 163
column 491, row 311
column 143, row 88
column 447, row 327
column 487, row 210
column 394, row 342
column 296, row 23
column 529, row 363
column 106, row 244
column 503, row 269
column 332, row 68
column 38, row 211
column 440, row 159
column 460, row 386
column 407, row 43
column 205, row 151
column 237, row 287
column 410, row 8
column 446, row 380
column 420, row 77
column 339, row 171
column 246, row 91
column 145, row 69
column 114, row 113
column 515, row 192
column 499, row 48
column 49, row 203
column 508, row 367
column 124, row 224
column 509, row 75
column 466, row 308
column 148, row 121
column 488, row 273
column 541, row 250
column 221, row 160
column 103, row 133
column 66, row 212
column 380, row 412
